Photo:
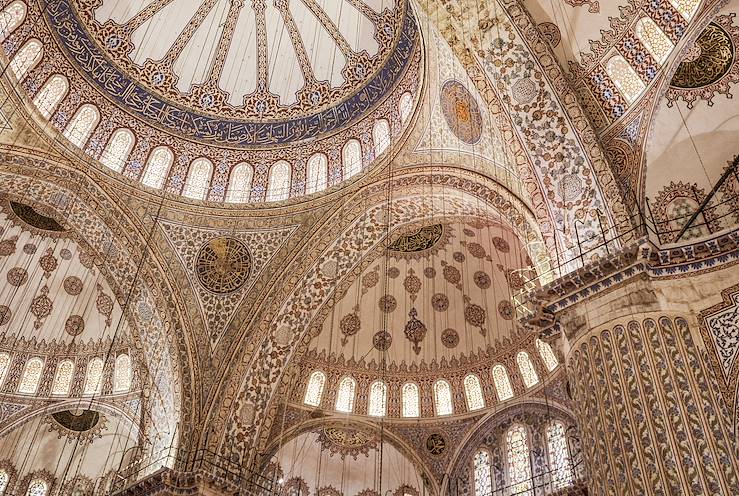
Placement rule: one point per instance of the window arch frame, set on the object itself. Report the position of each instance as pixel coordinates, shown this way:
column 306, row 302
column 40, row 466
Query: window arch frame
column 195, row 192
column 566, row 466
column 21, row 389
column 416, row 399
column 233, row 193
column 471, row 380
column 443, row 412
column 321, row 182
column 273, row 195
column 122, row 384
column 351, row 168
column 15, row 22
column 8, row 477
column 118, row 162
column 524, row 486
column 640, row 31
column 405, row 102
column 547, row 355
column 48, row 107
column 374, row 410
column 529, row 375
column 80, row 140
column 5, row 362
column 350, row 399
column 320, row 388
column 57, row 374
column 624, row 77
column 157, row 179
column 24, row 70
column 506, row 392
column 476, row 483
column 36, row 478
column 86, row 389
column 381, row 144
column 687, row 15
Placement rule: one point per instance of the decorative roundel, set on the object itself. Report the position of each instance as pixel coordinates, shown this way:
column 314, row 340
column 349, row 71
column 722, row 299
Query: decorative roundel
column 387, row 303
column 7, row 247
column 450, row 338
column 393, row 272
column 350, row 324
column 501, row 244
column 74, row 325
column 435, row 444
column 223, row 265
column 475, row 315
column 29, row 248
column 73, row 285
column 709, row 59
column 17, row 276
column 440, row 302
column 382, row 340
column 461, row 112
column 482, row 280
column 505, row 309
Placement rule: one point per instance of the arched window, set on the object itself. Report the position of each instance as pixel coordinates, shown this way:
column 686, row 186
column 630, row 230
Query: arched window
column 317, row 175
column 10, row 18
column 528, row 372
column 314, row 391
column 94, row 378
column 502, row 383
column 51, row 94
column 157, row 167
column 351, row 158
column 239, row 185
column 443, row 397
column 63, row 377
column 278, row 186
column 410, row 400
column 4, row 480
column 31, row 376
column 483, row 473
column 559, row 456
column 378, row 399
column 686, row 8
column 4, row 366
column 26, row 58
column 547, row 355
column 381, row 136
column 198, row 179
column 519, row 464
column 654, row 39
column 625, row 78
column 405, row 106
column 38, row 487
column 345, row 395
column 116, row 151
column 80, row 128
column 473, row 392
column 122, row 376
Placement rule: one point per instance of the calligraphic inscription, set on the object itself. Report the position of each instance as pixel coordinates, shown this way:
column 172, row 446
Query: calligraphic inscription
column 420, row 240
column 707, row 61
column 435, row 444
column 223, row 265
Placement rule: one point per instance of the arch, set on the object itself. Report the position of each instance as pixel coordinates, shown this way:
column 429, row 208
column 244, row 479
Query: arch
column 518, row 461
column 122, row 373
column 687, row 8
column 31, row 376
column 625, row 78
column 316, row 176
column 157, row 167
column 473, row 393
column 63, row 378
column 405, row 106
column 345, row 395
column 482, row 473
column 239, row 184
column 314, row 389
column 278, row 186
column 378, row 399
column 4, row 481
column 38, row 487
column 94, row 377
column 198, row 179
column 443, row 398
column 11, row 17
column 116, row 152
column 26, row 58
column 4, row 366
column 528, row 372
column 51, row 95
column 82, row 124
column 410, row 400
column 654, row 39
column 381, row 136
column 502, row 383
column 351, row 158
column 547, row 355
column 560, row 463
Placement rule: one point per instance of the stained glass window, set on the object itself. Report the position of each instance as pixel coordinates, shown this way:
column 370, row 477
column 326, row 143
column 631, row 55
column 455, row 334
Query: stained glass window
column 31, row 376
column 37, row 487
column 50, row 95
column 345, row 395
column 625, row 78
column 405, row 107
column 528, row 372
column 157, row 167
column 63, row 377
column 443, row 397
column 11, row 17
column 116, row 151
column 654, row 39
column 519, row 465
column 314, row 391
column 410, row 400
column 94, row 378
column 122, row 376
column 4, row 365
column 80, row 128
column 381, row 136
column 378, row 399
column 502, row 383
column 239, row 185
column 547, row 355
column 483, row 474
column 4, row 479
column 351, row 157
column 26, row 58
column 278, row 187
column 473, row 392
column 317, row 173
column 559, row 456
column 686, row 8
column 198, row 179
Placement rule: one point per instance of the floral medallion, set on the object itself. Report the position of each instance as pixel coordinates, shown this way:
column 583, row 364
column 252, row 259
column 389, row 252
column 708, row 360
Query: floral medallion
column 482, row 280
column 461, row 112
column 17, row 276
column 382, row 340
column 223, row 265
column 387, row 303
column 75, row 325
column 73, row 285
column 450, row 338
column 440, row 302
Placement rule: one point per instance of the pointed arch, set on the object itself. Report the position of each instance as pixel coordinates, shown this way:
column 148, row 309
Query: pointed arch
column 314, row 390
column 31, row 376
column 405, row 106
column 351, row 158
column 278, row 186
column 239, row 184
column 410, row 400
column 316, row 177
column 381, row 136
column 38, row 487
column 118, row 148
column 654, row 39
column 519, row 461
column 197, row 184
column 4, row 481
column 10, row 18
column 94, row 377
column 63, row 378
column 502, row 383
column 526, row 367
column 51, row 95
column 473, row 393
column 378, row 399
column 122, row 374
column 443, row 398
column 26, row 58
column 82, row 124
column 157, row 167
column 625, row 78
column 345, row 395
column 547, row 355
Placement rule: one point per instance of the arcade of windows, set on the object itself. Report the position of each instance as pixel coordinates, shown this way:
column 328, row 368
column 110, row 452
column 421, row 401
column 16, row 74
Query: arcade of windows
column 36, row 487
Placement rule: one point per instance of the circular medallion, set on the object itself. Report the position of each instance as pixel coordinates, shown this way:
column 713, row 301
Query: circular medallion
column 551, row 33
column 73, row 285
column 435, row 444
column 458, row 256
column 461, row 112
column 393, row 272
column 382, row 340
column 476, row 250
column 387, row 303
column 482, row 280
column 29, row 248
column 74, row 325
column 223, row 265
column 450, row 338
column 7, row 247
column 17, row 276
column 429, row 272
column 707, row 63
column 65, row 254
column 350, row 324
column 505, row 309
column 440, row 302
column 501, row 244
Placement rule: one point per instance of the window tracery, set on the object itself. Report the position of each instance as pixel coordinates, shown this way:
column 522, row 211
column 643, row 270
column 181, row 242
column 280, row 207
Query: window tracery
column 4, row 480
column 157, row 167
column 83, row 122
column 345, row 395
column 381, row 136
column 473, row 393
column 502, row 383
column 528, row 372
column 278, row 187
column 559, row 456
column 37, row 487
column 122, row 376
column 4, row 366
column 686, row 8
column 351, row 157
column 11, row 17
column 547, row 355
column 405, row 106
column 654, row 39
column 625, row 78
column 378, row 399
column 31, row 376
column 317, row 175
column 483, row 475
column 519, row 464
column 198, row 179
column 116, row 151
column 443, row 397
column 63, row 377
column 239, row 185
column 410, row 400
column 26, row 58
column 94, row 377
column 50, row 95
column 314, row 390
